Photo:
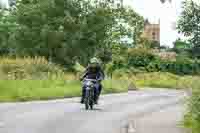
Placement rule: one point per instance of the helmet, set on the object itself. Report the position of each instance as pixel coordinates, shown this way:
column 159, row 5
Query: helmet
column 94, row 61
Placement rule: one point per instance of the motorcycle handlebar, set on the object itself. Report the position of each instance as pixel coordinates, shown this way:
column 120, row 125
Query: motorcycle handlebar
column 94, row 80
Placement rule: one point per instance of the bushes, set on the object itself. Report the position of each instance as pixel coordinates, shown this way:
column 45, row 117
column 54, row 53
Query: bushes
column 142, row 60
column 180, row 66
column 140, row 57
column 117, row 63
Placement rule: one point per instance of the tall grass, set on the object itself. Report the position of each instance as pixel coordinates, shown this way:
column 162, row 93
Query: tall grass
column 157, row 79
column 164, row 80
column 29, row 68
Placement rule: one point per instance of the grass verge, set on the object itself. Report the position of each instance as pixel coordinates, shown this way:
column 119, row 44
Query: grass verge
column 27, row 90
column 192, row 115
column 164, row 80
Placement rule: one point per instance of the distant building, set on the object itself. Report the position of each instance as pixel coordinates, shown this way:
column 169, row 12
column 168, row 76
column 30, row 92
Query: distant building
column 151, row 31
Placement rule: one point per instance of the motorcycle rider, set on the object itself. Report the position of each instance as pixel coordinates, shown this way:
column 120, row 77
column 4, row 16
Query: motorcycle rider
column 93, row 71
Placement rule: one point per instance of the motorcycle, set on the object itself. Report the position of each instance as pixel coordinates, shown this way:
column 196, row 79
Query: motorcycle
column 89, row 93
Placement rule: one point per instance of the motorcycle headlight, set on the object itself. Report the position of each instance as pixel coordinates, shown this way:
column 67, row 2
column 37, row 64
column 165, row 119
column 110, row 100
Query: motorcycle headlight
column 89, row 83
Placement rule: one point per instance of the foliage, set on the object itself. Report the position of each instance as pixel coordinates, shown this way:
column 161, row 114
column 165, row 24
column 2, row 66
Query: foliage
column 117, row 63
column 7, row 29
column 143, row 60
column 139, row 57
column 67, row 31
column 149, row 44
column 189, row 23
column 64, row 31
column 182, row 48
column 179, row 44
column 164, row 48
column 155, row 44
column 134, row 24
column 181, row 66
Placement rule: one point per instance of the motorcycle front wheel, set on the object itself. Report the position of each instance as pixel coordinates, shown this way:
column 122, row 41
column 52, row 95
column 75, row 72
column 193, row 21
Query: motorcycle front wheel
column 87, row 99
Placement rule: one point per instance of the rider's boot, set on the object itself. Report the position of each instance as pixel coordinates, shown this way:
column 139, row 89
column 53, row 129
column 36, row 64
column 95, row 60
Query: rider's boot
column 83, row 96
column 82, row 100
column 98, row 94
column 96, row 97
column 96, row 101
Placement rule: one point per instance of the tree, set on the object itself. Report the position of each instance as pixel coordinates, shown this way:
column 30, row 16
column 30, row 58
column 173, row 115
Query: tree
column 63, row 30
column 183, row 48
column 134, row 25
column 181, row 45
column 189, row 22
column 8, row 28
column 68, row 31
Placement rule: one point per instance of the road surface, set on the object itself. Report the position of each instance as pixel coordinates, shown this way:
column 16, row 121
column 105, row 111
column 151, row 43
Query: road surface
column 148, row 109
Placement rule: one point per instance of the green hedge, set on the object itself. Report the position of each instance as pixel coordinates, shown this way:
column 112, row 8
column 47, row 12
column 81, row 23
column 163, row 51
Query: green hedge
column 177, row 67
column 143, row 60
column 140, row 57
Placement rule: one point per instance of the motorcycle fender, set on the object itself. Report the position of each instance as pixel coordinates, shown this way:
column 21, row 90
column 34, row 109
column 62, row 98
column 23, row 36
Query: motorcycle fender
column 87, row 88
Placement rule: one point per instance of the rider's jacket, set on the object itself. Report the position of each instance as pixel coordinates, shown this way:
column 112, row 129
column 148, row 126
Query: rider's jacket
column 93, row 73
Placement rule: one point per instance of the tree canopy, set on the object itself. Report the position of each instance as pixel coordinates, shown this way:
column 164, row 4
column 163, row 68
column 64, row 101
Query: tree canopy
column 189, row 22
column 67, row 31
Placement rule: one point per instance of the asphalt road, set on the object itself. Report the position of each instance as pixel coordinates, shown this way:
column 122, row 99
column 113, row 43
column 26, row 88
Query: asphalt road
column 113, row 114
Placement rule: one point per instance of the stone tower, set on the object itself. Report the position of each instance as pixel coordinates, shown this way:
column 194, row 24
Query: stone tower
column 151, row 31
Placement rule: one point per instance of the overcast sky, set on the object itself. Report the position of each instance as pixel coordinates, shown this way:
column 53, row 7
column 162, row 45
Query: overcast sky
column 167, row 13
column 152, row 9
